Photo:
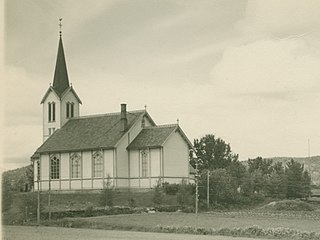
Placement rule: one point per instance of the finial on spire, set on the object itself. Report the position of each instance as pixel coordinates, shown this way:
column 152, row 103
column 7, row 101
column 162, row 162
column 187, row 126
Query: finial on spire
column 177, row 121
column 60, row 25
column 145, row 107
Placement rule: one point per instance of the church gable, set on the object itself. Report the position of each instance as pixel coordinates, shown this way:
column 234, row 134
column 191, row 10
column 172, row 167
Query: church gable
column 156, row 136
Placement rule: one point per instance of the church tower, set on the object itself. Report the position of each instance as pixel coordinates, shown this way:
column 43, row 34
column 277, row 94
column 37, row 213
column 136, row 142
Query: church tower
column 60, row 103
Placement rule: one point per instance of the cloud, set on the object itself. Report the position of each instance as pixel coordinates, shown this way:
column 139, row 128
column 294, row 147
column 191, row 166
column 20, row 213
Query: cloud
column 281, row 18
column 269, row 68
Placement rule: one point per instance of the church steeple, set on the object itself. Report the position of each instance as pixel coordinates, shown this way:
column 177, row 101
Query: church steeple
column 60, row 80
column 60, row 102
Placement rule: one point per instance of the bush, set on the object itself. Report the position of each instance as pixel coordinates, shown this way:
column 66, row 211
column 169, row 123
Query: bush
column 185, row 194
column 167, row 208
column 290, row 205
column 170, row 189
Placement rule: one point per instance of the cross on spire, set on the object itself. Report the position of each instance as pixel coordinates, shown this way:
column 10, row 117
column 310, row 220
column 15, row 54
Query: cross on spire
column 60, row 25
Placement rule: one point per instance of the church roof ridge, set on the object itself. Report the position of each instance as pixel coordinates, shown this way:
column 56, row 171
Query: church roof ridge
column 162, row 126
column 106, row 114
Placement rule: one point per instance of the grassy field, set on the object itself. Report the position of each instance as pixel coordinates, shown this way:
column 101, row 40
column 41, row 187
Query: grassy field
column 52, row 233
column 304, row 222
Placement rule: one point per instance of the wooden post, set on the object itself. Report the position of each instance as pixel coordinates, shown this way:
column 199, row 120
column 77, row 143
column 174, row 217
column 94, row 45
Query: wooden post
column 197, row 190
column 49, row 197
column 26, row 214
column 38, row 185
column 208, row 190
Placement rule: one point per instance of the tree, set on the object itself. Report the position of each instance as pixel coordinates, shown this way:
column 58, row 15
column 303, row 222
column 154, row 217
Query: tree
column 158, row 193
column 298, row 180
column 213, row 153
column 107, row 193
column 264, row 165
column 222, row 187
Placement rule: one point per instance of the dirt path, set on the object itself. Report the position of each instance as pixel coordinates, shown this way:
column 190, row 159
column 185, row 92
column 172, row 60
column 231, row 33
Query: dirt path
column 53, row 233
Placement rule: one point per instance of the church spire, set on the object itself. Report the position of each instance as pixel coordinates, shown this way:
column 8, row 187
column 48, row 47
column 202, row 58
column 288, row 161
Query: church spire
column 60, row 80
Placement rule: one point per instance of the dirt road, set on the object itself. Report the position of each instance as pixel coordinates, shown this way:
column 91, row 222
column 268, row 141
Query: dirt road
column 53, row 233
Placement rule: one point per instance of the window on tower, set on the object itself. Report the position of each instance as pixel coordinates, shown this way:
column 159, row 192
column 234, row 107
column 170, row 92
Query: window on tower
column 51, row 111
column 51, row 131
column 70, row 110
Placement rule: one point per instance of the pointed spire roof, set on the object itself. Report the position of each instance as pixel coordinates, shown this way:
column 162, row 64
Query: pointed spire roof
column 60, row 80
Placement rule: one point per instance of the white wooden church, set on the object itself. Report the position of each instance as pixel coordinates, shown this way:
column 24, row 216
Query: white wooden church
column 127, row 147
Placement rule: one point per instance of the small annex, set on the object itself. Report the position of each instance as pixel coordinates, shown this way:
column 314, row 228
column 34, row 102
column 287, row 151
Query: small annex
column 126, row 147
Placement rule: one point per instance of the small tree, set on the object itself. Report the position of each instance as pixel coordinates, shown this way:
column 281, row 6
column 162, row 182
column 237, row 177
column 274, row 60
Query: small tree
column 107, row 193
column 158, row 194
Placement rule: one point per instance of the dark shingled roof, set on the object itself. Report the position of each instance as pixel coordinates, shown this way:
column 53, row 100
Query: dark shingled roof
column 60, row 80
column 152, row 136
column 92, row 132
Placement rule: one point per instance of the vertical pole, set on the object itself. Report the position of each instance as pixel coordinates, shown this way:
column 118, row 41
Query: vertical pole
column 208, row 189
column 197, row 191
column 309, row 164
column 49, row 198
column 38, row 185
column 26, row 214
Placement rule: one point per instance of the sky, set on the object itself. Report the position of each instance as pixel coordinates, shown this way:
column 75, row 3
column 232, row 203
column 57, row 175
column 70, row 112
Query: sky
column 246, row 71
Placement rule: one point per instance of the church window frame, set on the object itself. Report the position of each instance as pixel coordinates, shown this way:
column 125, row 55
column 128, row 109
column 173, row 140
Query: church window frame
column 75, row 162
column 54, row 166
column 70, row 109
column 144, row 163
column 51, row 131
column 51, row 111
column 97, row 164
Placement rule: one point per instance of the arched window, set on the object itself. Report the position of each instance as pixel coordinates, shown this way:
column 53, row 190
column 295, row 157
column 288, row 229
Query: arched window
column 54, row 166
column 51, row 111
column 144, row 163
column 70, row 110
column 75, row 159
column 97, row 161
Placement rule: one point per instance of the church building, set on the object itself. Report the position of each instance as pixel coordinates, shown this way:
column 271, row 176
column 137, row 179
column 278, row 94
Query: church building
column 126, row 147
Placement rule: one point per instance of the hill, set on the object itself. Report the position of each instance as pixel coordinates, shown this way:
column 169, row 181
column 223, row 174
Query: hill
column 20, row 179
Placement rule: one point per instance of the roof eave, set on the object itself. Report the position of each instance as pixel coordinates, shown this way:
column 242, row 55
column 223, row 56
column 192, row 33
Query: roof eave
column 73, row 91
column 144, row 147
column 47, row 93
column 75, row 150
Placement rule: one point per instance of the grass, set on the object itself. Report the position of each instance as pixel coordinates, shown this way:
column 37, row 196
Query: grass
column 207, row 220
column 240, row 224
